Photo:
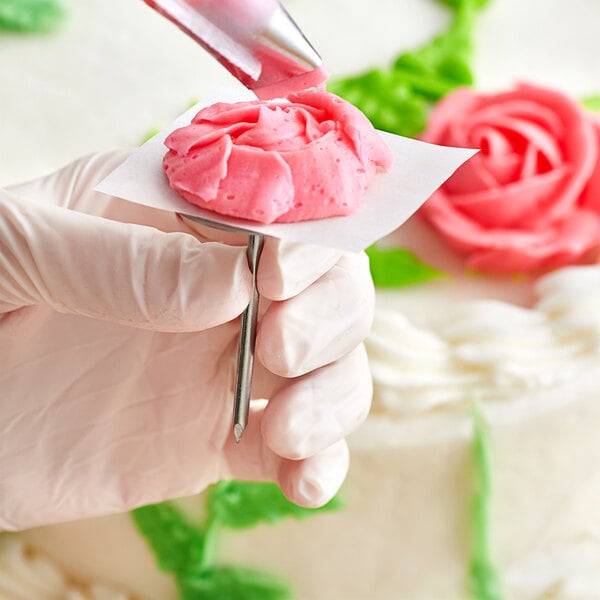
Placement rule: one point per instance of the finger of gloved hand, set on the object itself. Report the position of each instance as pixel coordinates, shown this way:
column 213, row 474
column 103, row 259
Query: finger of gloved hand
column 316, row 410
column 128, row 274
column 285, row 268
column 288, row 268
column 73, row 185
column 310, row 482
column 314, row 481
column 322, row 323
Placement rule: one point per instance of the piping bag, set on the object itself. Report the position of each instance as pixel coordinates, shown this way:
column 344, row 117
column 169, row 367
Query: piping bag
column 255, row 40
column 260, row 45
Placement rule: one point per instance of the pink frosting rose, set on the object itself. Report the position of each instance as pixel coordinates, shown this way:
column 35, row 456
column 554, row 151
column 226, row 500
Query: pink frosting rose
column 530, row 199
column 308, row 157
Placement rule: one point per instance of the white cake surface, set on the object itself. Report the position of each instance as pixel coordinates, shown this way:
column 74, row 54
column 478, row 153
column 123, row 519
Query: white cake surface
column 114, row 71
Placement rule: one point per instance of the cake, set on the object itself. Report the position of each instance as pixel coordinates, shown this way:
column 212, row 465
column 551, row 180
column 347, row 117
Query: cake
column 475, row 475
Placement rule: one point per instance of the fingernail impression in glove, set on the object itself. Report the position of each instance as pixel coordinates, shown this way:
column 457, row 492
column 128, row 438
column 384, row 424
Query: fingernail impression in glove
column 317, row 479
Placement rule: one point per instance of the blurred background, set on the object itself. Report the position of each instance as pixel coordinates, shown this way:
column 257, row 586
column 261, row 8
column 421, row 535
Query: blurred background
column 113, row 70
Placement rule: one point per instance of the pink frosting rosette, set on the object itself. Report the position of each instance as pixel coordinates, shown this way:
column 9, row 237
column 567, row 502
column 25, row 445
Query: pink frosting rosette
column 530, row 199
column 307, row 157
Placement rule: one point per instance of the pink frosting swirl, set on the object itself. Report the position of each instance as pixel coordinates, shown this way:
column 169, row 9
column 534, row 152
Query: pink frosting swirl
column 530, row 199
column 308, row 157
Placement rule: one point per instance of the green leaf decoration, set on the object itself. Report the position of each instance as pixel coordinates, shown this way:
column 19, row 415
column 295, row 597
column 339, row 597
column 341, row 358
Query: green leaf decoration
column 398, row 99
column 243, row 504
column 484, row 578
column 231, row 583
column 189, row 552
column 592, row 103
column 444, row 63
column 31, row 16
column 177, row 545
column 398, row 267
column 387, row 100
column 457, row 3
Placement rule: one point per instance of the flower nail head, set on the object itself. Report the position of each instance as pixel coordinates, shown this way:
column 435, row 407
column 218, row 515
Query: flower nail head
column 526, row 201
column 310, row 156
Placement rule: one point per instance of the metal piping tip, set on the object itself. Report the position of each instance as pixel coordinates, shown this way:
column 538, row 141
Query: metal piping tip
column 281, row 33
column 271, row 56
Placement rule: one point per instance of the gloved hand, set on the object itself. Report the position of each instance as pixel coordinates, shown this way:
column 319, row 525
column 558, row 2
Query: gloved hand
column 117, row 356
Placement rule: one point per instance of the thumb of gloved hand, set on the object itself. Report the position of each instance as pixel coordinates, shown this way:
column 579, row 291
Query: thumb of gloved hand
column 129, row 274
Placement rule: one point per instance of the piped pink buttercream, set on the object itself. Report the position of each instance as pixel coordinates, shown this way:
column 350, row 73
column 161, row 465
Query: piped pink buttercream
column 308, row 157
column 530, row 199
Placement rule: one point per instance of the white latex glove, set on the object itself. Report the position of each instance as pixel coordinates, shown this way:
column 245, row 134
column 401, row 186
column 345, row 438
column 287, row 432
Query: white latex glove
column 117, row 356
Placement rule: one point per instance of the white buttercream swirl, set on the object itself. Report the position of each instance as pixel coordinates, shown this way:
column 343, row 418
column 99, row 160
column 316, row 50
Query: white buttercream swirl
column 25, row 575
column 487, row 349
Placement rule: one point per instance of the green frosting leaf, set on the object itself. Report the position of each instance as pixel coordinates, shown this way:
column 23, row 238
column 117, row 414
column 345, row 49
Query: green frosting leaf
column 592, row 103
column 386, row 98
column 243, row 504
column 457, row 3
column 485, row 581
column 177, row 545
column 189, row 552
column 30, row 16
column 398, row 99
column 398, row 267
column 179, row 548
column 444, row 63
column 231, row 583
